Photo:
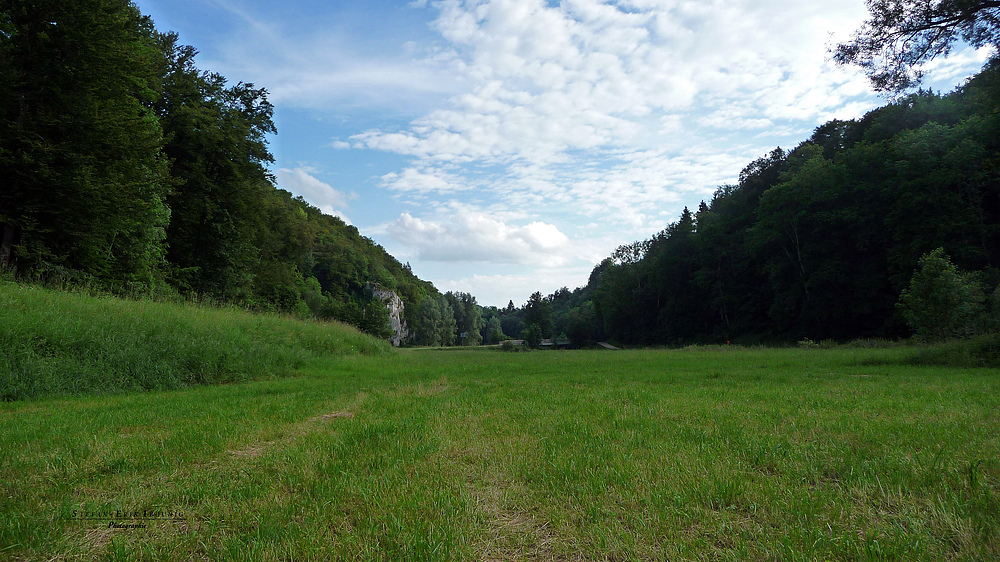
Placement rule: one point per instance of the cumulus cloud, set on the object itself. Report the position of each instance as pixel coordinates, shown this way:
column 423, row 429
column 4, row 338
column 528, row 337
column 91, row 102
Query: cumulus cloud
column 498, row 290
column 424, row 181
column 618, row 111
column 300, row 182
column 471, row 236
column 586, row 75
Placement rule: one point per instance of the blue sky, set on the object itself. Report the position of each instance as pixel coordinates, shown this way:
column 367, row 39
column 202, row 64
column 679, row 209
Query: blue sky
column 503, row 147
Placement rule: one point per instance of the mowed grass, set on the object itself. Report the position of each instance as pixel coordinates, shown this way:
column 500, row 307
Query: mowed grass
column 696, row 454
column 58, row 342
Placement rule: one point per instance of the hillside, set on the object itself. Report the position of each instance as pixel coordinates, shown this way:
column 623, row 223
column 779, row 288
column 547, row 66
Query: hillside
column 819, row 241
column 59, row 342
column 129, row 169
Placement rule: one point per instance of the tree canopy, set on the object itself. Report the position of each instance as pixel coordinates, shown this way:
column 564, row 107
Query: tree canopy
column 901, row 35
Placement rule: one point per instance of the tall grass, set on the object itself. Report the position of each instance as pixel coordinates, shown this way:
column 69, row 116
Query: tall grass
column 979, row 351
column 59, row 342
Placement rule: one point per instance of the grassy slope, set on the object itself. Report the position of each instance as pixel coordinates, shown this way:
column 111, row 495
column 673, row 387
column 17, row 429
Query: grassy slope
column 690, row 454
column 59, row 342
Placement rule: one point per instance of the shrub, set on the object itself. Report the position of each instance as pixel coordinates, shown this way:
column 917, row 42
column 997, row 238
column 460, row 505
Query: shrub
column 979, row 351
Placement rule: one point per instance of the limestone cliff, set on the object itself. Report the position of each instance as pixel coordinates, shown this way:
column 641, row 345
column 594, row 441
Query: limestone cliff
column 400, row 332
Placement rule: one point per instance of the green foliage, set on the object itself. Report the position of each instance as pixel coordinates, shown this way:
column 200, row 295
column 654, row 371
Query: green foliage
column 941, row 302
column 538, row 312
column 428, row 325
column 582, row 324
column 84, row 178
column 818, row 242
column 977, row 351
column 468, row 318
column 369, row 315
column 532, row 335
column 993, row 314
column 217, row 149
column 494, row 331
column 128, row 168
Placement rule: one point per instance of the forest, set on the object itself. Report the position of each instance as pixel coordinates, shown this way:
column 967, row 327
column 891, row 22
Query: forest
column 129, row 170
column 818, row 242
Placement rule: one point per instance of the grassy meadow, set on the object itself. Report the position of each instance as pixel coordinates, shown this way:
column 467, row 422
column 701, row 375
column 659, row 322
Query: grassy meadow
column 154, row 431
column 692, row 454
column 62, row 342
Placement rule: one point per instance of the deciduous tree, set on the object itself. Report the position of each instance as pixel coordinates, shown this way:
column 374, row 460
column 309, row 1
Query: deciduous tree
column 901, row 35
column 84, row 179
column 942, row 302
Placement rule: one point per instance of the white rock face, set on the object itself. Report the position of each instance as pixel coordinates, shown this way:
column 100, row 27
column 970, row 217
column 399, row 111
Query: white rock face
column 400, row 331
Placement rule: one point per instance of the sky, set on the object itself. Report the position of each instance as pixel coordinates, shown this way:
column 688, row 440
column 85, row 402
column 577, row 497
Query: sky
column 503, row 147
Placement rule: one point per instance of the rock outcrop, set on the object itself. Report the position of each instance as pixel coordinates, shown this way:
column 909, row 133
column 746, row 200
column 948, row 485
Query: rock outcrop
column 400, row 331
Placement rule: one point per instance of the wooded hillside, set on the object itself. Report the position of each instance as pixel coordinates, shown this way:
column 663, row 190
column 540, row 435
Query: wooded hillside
column 126, row 167
column 820, row 241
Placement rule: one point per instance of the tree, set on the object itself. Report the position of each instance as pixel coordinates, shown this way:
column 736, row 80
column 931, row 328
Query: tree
column 468, row 319
column 532, row 335
column 448, row 328
column 901, row 35
column 538, row 311
column 941, row 302
column 218, row 151
column 582, row 325
column 494, row 330
column 429, row 322
column 84, row 178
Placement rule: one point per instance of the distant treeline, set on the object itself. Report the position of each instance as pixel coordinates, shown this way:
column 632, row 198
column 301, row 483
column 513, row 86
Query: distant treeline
column 817, row 242
column 125, row 167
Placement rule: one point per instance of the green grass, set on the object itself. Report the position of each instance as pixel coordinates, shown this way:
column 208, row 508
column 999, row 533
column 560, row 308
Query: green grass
column 57, row 342
column 703, row 453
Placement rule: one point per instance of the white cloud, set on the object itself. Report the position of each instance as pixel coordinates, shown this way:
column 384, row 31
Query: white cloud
column 963, row 63
column 428, row 180
column 471, row 236
column 321, row 64
column 589, row 76
column 498, row 290
column 617, row 112
column 299, row 182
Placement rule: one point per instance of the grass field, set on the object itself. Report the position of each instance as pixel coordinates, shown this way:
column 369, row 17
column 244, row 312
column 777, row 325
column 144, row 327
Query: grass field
column 694, row 454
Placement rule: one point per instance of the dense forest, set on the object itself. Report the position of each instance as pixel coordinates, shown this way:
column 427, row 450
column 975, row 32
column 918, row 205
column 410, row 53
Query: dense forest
column 127, row 168
column 816, row 242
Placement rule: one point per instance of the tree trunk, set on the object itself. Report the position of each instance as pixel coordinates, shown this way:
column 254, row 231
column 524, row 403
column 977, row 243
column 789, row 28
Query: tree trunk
column 8, row 233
